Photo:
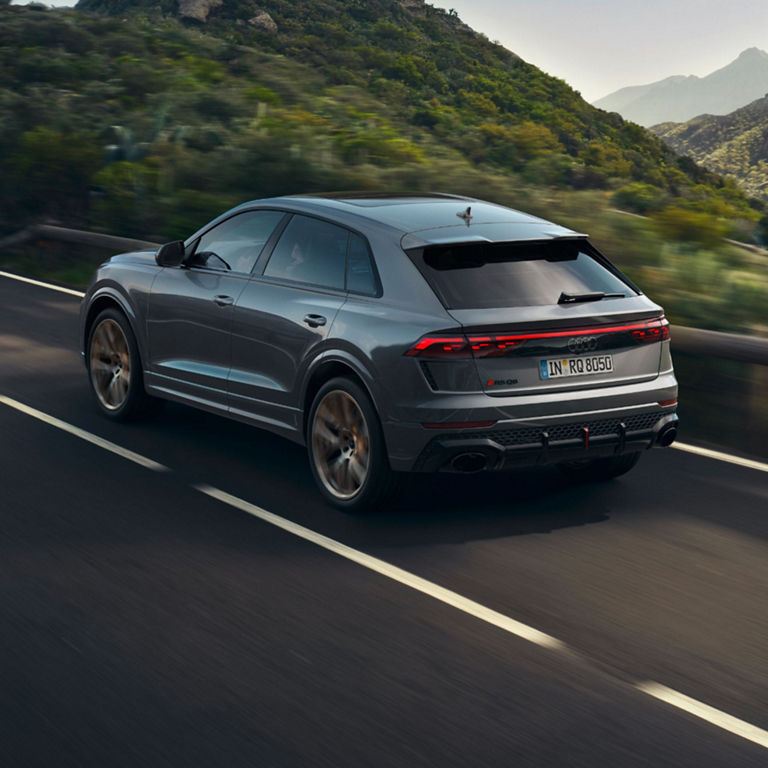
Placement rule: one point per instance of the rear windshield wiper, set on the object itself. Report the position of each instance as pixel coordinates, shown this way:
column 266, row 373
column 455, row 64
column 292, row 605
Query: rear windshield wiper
column 572, row 298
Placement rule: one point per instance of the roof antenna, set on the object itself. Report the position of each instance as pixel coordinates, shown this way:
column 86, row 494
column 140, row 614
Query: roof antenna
column 466, row 215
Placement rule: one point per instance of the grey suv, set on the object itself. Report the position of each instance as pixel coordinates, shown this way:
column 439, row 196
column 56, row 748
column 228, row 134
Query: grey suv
column 390, row 334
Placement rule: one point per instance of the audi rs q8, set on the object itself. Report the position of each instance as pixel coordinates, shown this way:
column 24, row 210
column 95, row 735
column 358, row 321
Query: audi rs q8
column 390, row 334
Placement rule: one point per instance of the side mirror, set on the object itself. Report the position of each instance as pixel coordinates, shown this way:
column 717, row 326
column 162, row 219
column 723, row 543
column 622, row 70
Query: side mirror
column 170, row 254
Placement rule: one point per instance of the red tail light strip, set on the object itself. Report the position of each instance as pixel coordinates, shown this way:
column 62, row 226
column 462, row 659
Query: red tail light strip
column 488, row 346
column 440, row 346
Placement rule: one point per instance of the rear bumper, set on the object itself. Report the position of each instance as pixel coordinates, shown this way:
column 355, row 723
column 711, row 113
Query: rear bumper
column 532, row 446
column 541, row 441
column 532, row 430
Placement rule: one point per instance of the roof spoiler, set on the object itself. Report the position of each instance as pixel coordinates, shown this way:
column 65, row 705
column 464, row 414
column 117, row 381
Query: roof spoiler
column 412, row 241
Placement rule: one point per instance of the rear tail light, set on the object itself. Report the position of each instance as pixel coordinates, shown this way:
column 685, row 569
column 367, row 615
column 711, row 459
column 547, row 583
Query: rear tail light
column 658, row 330
column 493, row 346
column 440, row 346
column 456, row 347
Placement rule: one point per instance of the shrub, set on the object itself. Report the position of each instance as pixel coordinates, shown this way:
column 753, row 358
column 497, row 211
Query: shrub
column 690, row 226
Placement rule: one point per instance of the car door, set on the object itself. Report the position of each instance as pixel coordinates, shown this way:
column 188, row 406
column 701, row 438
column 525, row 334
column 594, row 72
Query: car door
column 190, row 308
column 283, row 316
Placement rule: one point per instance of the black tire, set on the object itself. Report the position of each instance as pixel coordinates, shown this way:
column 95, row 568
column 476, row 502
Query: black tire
column 110, row 352
column 344, row 437
column 597, row 470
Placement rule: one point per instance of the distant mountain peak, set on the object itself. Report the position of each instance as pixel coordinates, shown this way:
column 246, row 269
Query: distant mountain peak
column 752, row 54
column 680, row 98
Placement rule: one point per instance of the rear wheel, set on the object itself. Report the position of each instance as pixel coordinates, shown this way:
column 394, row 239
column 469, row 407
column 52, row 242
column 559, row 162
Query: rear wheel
column 114, row 367
column 346, row 448
column 595, row 470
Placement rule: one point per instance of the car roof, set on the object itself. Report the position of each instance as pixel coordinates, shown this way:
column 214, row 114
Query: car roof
column 427, row 218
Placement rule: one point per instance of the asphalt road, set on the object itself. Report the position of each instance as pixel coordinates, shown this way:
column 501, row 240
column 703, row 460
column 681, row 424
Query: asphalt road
column 144, row 623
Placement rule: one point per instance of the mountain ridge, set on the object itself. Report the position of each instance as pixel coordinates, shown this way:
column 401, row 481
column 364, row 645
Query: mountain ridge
column 734, row 145
column 679, row 98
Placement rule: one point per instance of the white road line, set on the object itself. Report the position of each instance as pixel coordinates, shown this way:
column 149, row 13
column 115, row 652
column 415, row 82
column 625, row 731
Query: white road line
column 479, row 611
column 391, row 571
column 83, row 435
column 719, row 456
column 705, row 712
column 51, row 287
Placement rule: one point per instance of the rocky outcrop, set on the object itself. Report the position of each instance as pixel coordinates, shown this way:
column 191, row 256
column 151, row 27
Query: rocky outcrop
column 415, row 6
column 264, row 22
column 197, row 9
column 200, row 10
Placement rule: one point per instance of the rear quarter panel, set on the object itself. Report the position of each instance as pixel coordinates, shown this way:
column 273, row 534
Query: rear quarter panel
column 378, row 331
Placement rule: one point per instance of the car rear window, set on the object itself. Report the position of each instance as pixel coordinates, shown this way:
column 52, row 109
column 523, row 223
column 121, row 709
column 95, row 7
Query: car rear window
column 484, row 275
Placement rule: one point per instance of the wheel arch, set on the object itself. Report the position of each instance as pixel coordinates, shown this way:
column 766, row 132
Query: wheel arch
column 109, row 299
column 327, row 367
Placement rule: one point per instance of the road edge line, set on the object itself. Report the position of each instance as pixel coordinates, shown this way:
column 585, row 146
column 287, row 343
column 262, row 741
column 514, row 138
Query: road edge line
column 137, row 458
column 720, row 456
column 693, row 707
column 705, row 712
column 698, row 709
column 400, row 575
column 41, row 284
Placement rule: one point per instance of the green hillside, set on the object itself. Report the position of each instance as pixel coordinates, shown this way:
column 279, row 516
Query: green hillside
column 734, row 144
column 125, row 121
column 124, row 117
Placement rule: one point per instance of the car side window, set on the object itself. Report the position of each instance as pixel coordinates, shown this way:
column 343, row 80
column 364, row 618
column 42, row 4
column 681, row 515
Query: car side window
column 236, row 243
column 310, row 251
column 360, row 275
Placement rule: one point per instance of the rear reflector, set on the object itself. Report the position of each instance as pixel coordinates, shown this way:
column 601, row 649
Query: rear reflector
column 665, row 403
column 459, row 424
column 455, row 347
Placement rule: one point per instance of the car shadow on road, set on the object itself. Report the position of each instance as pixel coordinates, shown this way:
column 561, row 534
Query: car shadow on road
column 447, row 508
column 437, row 508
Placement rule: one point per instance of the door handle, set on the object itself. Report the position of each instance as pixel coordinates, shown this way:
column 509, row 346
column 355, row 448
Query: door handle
column 224, row 301
column 313, row 321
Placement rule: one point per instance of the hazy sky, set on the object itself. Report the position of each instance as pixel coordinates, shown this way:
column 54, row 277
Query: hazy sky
column 598, row 46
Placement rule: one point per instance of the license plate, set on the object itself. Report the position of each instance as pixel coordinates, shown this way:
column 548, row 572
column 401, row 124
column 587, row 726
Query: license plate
column 575, row 366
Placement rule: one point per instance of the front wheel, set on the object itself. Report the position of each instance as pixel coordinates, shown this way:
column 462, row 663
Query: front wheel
column 114, row 367
column 346, row 448
column 595, row 470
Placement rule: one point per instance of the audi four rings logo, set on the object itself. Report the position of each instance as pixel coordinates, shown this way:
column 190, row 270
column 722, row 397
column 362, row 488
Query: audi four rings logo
column 579, row 344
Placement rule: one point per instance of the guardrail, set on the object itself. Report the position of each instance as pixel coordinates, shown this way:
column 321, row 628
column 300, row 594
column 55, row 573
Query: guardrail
column 80, row 236
column 725, row 346
column 692, row 341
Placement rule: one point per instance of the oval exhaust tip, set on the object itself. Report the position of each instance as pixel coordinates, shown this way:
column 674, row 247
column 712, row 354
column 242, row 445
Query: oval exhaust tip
column 469, row 462
column 667, row 436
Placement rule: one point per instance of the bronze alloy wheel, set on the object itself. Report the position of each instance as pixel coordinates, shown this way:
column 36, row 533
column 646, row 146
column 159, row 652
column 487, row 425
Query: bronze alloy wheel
column 110, row 364
column 341, row 444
